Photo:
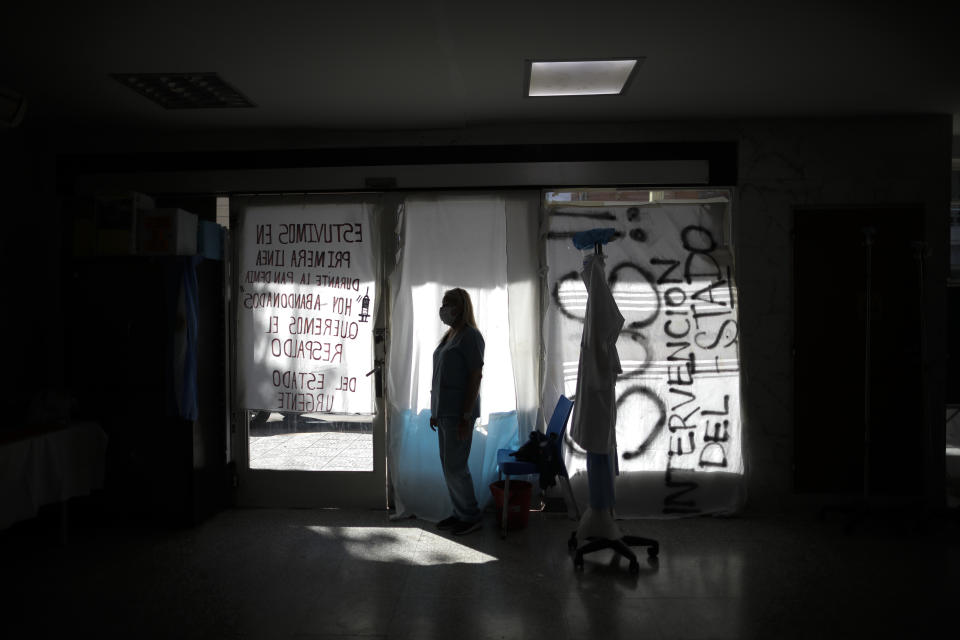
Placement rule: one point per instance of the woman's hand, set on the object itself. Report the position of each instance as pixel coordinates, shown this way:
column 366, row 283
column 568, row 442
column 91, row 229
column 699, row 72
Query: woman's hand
column 434, row 423
column 464, row 429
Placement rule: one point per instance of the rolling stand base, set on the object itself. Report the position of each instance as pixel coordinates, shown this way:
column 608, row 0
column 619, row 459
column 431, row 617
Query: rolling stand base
column 620, row 545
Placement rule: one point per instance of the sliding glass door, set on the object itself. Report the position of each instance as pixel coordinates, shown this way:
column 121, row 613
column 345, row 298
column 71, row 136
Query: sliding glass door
column 308, row 302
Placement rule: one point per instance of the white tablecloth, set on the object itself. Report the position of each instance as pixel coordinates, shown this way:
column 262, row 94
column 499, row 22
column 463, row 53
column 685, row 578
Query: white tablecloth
column 48, row 465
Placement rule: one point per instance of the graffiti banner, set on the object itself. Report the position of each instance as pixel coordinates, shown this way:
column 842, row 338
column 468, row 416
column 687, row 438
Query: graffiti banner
column 678, row 430
column 307, row 291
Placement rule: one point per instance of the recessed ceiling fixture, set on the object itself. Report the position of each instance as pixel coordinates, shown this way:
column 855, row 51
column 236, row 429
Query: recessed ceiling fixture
column 580, row 77
column 185, row 90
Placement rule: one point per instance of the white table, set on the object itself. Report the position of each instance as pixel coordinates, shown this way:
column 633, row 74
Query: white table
column 48, row 464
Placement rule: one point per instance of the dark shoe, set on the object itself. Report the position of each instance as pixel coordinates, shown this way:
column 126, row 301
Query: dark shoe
column 463, row 528
column 448, row 523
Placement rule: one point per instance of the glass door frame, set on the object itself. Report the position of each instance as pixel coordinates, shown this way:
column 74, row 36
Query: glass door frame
column 323, row 489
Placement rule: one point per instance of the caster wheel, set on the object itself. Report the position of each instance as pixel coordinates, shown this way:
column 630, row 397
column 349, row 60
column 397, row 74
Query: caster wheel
column 652, row 552
column 634, row 567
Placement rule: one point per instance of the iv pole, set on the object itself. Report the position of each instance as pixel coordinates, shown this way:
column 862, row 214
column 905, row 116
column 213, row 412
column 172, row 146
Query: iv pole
column 868, row 233
column 920, row 252
column 597, row 524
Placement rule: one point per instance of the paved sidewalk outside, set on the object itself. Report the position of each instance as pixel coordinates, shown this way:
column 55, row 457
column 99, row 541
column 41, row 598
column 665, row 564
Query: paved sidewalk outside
column 313, row 451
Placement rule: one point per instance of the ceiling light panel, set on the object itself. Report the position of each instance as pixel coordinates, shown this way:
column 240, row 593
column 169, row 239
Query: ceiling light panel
column 580, row 77
column 185, row 90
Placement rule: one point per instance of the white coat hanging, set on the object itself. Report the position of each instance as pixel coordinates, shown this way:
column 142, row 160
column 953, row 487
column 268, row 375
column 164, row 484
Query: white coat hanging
column 595, row 409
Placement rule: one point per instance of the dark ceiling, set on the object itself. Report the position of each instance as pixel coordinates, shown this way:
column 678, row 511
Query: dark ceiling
column 422, row 64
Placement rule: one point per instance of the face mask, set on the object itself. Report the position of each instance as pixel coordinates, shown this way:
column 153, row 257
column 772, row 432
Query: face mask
column 447, row 315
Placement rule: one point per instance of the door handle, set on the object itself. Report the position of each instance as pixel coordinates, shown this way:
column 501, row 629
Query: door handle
column 378, row 380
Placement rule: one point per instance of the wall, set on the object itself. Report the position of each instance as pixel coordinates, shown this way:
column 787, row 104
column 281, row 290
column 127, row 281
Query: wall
column 829, row 163
column 32, row 249
column 783, row 165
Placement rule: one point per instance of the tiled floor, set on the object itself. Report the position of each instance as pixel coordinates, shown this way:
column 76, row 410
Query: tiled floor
column 358, row 574
column 313, row 451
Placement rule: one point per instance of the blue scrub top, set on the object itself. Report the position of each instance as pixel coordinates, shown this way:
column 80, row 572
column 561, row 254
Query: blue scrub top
column 453, row 361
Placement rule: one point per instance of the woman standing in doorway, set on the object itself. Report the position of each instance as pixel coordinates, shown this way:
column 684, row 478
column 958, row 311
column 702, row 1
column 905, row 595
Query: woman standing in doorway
column 455, row 405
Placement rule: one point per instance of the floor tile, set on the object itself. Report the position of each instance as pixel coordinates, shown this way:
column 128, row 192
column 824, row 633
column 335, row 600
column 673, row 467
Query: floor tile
column 340, row 573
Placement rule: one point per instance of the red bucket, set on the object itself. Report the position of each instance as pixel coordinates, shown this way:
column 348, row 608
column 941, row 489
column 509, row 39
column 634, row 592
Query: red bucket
column 518, row 509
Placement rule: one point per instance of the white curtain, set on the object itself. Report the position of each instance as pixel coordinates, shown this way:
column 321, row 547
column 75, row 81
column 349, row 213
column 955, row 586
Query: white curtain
column 679, row 430
column 524, row 294
column 451, row 241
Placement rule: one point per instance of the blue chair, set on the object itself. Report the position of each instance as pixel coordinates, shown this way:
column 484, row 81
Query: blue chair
column 510, row 466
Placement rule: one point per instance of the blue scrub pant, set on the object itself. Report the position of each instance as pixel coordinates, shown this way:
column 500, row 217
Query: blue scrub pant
column 453, row 459
column 600, row 472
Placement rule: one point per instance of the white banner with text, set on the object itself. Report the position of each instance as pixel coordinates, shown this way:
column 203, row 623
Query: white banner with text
column 305, row 302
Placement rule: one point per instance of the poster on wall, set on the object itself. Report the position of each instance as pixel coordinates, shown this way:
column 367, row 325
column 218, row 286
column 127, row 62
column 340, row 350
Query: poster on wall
column 678, row 429
column 305, row 304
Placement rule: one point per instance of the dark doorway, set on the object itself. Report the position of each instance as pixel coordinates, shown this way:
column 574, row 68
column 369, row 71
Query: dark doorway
column 845, row 382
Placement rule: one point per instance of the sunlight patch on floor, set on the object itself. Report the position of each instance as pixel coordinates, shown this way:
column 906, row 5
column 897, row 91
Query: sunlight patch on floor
column 402, row 545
